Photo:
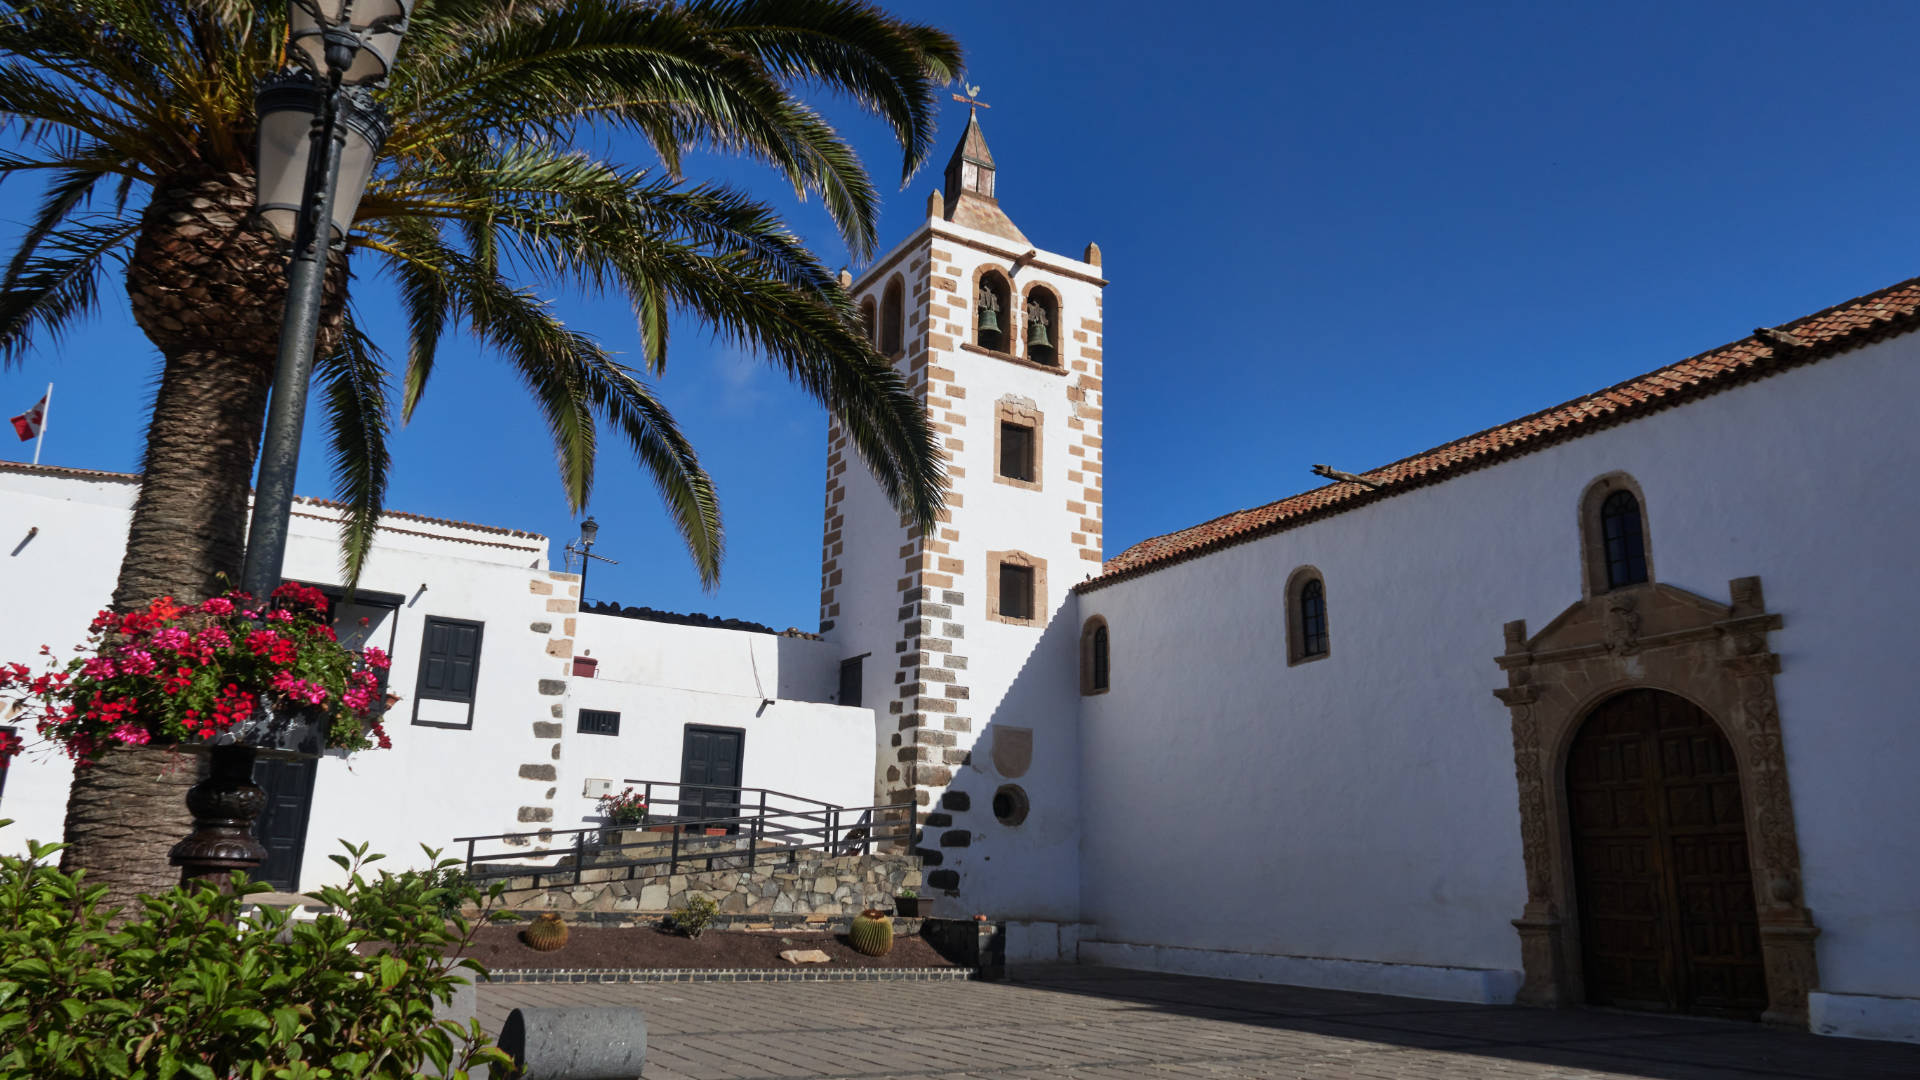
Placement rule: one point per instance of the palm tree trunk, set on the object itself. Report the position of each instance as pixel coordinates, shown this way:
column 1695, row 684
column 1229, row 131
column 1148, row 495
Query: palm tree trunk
column 123, row 813
column 208, row 289
column 190, row 522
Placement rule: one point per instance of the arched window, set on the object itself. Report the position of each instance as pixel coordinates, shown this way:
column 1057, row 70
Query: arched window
column 1043, row 326
column 1625, row 540
column 867, row 323
column 892, row 317
column 1095, row 665
column 1307, row 637
column 993, row 313
column 1614, row 538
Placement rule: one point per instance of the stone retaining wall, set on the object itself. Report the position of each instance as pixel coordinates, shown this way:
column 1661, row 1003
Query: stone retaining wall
column 806, row 884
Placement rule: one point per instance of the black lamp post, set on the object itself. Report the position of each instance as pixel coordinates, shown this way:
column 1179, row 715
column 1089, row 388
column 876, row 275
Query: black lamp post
column 583, row 550
column 320, row 131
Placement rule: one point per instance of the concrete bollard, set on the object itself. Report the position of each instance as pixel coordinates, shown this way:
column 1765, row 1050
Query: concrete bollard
column 576, row 1043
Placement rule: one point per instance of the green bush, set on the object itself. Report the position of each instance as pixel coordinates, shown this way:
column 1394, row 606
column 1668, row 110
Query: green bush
column 692, row 920
column 188, row 987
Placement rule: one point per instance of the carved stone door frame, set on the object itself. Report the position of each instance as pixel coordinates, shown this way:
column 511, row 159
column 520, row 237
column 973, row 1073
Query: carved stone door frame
column 1714, row 655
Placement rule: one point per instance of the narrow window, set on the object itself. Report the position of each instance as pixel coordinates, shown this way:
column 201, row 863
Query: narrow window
column 449, row 670
column 599, row 722
column 1016, row 452
column 1043, row 327
column 1625, row 541
column 1313, row 619
column 1098, row 677
column 892, row 318
column 851, row 678
column 867, row 323
column 1016, row 591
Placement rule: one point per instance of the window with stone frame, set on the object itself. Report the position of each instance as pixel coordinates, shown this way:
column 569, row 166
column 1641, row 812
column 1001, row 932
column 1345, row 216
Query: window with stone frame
column 993, row 313
column 1095, row 661
column 868, row 323
column 1018, row 435
column 893, row 319
column 1016, row 588
column 1615, row 543
column 1308, row 637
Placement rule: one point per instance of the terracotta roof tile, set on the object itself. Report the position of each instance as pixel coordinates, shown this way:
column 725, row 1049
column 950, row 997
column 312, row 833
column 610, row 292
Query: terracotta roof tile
column 1887, row 313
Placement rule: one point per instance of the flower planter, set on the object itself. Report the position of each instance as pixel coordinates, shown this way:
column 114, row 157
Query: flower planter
column 913, row 907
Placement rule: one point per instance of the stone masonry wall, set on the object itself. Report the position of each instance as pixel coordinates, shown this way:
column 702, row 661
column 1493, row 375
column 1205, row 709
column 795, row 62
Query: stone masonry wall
column 811, row 884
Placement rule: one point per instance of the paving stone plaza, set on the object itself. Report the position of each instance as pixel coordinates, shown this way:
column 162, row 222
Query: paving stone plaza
column 1107, row 1024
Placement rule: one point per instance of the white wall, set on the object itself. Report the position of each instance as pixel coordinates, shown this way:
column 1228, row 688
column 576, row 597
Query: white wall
column 710, row 659
column 1363, row 807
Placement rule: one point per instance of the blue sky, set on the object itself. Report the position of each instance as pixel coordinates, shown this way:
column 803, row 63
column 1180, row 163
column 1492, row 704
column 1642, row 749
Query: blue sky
column 1335, row 233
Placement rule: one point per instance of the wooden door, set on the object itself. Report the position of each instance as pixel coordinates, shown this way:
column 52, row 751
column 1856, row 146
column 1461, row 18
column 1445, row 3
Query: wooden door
column 710, row 771
column 282, row 828
column 1667, row 918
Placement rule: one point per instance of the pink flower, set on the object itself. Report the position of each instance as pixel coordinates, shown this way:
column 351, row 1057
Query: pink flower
column 213, row 637
column 136, row 662
column 132, row 734
column 280, row 615
column 359, row 699
column 98, row 667
column 376, row 657
column 171, row 637
column 217, row 605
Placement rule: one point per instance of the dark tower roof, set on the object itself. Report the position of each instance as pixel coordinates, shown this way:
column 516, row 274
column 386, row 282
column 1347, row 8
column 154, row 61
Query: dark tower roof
column 970, row 198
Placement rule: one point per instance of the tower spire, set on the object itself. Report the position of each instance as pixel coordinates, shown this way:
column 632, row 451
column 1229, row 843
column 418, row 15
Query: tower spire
column 971, row 178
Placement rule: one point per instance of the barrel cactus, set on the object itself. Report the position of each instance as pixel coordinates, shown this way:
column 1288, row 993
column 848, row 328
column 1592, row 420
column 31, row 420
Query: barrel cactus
column 872, row 932
column 546, row 933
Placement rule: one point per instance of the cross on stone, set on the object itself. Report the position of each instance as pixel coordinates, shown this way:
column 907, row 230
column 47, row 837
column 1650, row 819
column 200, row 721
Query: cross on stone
column 972, row 98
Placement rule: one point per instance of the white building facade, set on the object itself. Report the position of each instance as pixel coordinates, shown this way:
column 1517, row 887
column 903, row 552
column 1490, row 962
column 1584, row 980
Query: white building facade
column 528, row 746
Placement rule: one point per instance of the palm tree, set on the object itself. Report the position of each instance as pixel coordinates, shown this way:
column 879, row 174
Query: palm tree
column 137, row 117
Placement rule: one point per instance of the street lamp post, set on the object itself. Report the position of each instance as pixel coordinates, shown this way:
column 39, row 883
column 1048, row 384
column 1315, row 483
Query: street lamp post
column 582, row 549
column 320, row 131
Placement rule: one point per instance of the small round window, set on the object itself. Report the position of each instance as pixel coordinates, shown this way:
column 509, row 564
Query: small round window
column 1010, row 804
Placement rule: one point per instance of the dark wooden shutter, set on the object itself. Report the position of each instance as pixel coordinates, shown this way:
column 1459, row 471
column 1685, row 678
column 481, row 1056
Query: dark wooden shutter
column 450, row 660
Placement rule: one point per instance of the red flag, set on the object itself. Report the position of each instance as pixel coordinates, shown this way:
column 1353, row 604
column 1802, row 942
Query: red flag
column 29, row 423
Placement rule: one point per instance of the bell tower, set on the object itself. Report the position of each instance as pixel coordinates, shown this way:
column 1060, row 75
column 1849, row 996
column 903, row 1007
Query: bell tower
column 963, row 640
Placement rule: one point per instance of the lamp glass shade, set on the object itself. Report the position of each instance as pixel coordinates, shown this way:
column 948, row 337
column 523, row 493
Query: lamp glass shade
column 377, row 24
column 589, row 529
column 365, row 128
column 286, row 127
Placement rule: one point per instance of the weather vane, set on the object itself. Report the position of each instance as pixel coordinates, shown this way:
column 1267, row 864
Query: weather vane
column 972, row 98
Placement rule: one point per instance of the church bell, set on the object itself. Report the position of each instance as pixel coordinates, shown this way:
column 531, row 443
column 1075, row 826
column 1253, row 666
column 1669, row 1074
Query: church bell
column 1037, row 330
column 989, row 314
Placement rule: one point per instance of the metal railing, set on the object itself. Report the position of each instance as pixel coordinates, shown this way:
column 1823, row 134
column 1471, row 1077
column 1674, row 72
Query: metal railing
column 759, row 828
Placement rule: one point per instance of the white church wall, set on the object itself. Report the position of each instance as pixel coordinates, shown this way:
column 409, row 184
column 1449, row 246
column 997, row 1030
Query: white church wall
column 1362, row 807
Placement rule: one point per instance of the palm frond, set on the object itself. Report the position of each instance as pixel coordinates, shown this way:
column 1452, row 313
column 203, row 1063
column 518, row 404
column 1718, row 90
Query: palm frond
column 59, row 283
column 353, row 378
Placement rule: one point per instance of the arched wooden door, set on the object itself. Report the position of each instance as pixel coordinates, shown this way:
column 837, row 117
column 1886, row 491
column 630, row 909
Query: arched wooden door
column 1667, row 918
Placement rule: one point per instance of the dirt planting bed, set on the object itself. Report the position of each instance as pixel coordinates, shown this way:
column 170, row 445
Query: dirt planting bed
column 500, row 948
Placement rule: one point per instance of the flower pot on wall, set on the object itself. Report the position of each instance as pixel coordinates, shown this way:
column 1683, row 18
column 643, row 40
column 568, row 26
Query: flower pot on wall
column 584, row 666
column 913, row 907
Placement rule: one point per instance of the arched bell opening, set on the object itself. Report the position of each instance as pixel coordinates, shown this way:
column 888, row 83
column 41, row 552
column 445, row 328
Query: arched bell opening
column 993, row 313
column 1043, row 326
